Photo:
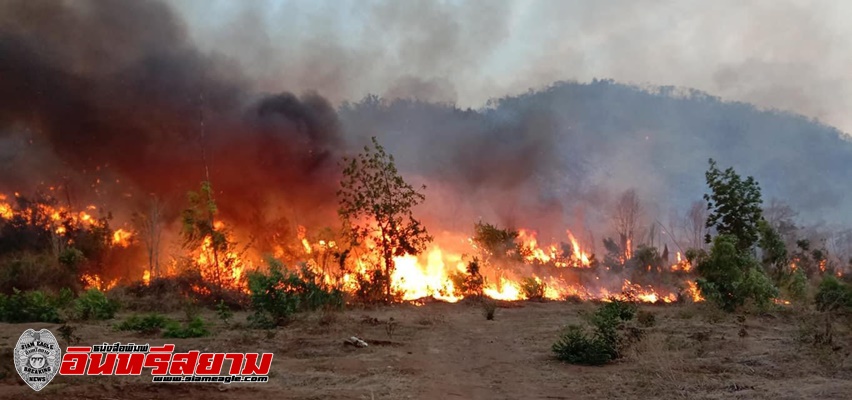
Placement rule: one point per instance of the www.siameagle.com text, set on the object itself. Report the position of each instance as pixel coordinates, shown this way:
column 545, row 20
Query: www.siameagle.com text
column 220, row 379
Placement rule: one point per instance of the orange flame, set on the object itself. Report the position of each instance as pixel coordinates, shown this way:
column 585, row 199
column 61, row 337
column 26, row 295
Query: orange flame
column 6, row 211
column 94, row 281
column 579, row 255
column 121, row 238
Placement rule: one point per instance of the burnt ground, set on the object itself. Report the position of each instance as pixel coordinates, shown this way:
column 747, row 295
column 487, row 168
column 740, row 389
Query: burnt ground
column 450, row 351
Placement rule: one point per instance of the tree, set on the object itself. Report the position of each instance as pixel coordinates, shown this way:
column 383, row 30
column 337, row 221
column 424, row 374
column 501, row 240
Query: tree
column 773, row 250
column 695, row 224
column 376, row 203
column 781, row 217
column 729, row 276
column 625, row 219
column 495, row 243
column 149, row 225
column 201, row 231
column 734, row 204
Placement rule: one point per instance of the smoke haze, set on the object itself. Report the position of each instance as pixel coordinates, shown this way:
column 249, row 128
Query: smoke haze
column 125, row 99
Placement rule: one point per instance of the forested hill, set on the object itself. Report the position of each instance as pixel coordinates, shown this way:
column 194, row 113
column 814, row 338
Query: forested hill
column 577, row 140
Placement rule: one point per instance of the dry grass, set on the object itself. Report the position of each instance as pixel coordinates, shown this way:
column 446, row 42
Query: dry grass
column 450, row 351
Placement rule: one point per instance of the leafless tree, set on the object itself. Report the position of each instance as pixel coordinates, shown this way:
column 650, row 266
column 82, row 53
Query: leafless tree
column 695, row 224
column 149, row 224
column 625, row 220
column 782, row 218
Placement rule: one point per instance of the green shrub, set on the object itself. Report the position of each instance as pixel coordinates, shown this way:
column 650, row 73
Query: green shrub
column 833, row 295
column 730, row 276
column 195, row 328
column 603, row 344
column 224, row 312
column 147, row 324
column 93, row 304
column 757, row 286
column 798, row 286
column 32, row 306
column 468, row 284
column 578, row 347
column 617, row 309
column 533, row 289
column 71, row 257
column 277, row 294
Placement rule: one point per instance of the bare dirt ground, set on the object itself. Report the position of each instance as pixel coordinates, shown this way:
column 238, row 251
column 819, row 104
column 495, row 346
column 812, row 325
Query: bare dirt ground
column 450, row 351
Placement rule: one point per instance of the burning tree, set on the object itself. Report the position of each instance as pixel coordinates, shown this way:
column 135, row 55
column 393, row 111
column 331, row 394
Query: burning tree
column 149, row 225
column 626, row 219
column 218, row 260
column 376, row 203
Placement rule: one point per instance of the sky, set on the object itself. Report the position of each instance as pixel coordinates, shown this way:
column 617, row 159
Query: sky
column 791, row 55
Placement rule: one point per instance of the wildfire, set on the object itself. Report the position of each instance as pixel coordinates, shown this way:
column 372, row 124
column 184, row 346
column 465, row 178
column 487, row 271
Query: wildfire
column 561, row 269
column 6, row 211
column 693, row 291
column 54, row 217
column 430, row 275
column 121, row 238
column 94, row 281
column 781, row 302
column 533, row 252
column 229, row 270
column 682, row 264
column 416, row 281
column 302, row 232
column 505, row 290
column 552, row 253
column 578, row 253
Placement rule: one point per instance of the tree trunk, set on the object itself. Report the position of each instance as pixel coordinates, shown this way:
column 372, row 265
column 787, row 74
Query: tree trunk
column 389, row 266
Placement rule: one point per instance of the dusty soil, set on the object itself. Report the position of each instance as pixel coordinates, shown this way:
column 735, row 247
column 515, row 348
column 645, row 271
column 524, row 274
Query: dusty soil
column 450, row 351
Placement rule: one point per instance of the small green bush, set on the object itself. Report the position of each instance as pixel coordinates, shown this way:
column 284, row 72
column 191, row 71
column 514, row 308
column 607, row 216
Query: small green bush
column 278, row 293
column 617, row 309
column 603, row 344
column 93, row 304
column 833, row 295
column 223, row 311
column 71, row 257
column 146, row 324
column 576, row 346
column 533, row 289
column 32, row 306
column 730, row 276
column 757, row 286
column 195, row 328
column 798, row 286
